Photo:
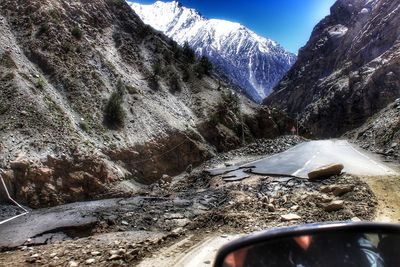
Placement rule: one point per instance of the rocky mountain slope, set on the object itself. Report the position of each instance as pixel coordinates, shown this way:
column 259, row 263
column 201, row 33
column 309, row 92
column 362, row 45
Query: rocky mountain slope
column 381, row 133
column 348, row 70
column 91, row 96
column 253, row 62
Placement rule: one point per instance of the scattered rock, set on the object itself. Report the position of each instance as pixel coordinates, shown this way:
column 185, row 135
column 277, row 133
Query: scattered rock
column 73, row 264
column 334, row 206
column 166, row 178
column 326, row 189
column 339, row 190
column 290, row 217
column 52, row 255
column 271, row 207
column 95, row 253
column 90, row 261
column 115, row 257
column 325, row 171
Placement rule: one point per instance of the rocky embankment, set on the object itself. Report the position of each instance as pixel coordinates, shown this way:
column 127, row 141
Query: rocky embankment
column 349, row 69
column 381, row 133
column 89, row 95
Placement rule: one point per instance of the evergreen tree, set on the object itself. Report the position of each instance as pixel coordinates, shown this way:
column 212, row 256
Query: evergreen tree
column 189, row 53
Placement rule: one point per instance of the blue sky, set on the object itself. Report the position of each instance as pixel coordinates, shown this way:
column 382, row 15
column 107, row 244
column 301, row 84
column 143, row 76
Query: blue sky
column 289, row 22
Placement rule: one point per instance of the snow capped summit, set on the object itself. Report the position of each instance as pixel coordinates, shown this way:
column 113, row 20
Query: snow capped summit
column 253, row 62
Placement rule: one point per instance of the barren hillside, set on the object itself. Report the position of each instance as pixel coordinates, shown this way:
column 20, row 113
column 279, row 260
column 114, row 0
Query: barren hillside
column 89, row 96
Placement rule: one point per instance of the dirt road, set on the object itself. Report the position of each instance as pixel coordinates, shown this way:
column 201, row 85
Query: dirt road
column 387, row 192
column 191, row 251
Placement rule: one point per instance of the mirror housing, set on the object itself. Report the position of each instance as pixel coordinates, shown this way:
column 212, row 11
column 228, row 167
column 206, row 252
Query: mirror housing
column 347, row 243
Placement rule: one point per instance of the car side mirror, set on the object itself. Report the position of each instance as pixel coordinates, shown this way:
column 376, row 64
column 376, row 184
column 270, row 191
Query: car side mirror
column 316, row 245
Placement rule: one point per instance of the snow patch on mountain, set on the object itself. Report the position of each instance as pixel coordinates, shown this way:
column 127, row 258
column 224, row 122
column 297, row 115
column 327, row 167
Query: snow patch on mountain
column 253, row 62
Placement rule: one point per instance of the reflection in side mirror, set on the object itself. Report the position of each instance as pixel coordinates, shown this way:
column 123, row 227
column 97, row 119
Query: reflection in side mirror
column 360, row 245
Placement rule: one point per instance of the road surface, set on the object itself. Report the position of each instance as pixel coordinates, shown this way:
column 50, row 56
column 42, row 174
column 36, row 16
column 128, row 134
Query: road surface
column 305, row 157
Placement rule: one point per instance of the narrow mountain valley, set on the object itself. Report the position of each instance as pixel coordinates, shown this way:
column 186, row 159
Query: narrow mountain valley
column 130, row 134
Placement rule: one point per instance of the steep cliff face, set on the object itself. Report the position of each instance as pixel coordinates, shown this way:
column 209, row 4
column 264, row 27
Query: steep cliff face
column 348, row 70
column 90, row 96
column 253, row 62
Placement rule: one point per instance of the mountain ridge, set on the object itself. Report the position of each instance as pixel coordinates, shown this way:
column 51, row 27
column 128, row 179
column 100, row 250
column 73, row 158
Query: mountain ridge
column 252, row 62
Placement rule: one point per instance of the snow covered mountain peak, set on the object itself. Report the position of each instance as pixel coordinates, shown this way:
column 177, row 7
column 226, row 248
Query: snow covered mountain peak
column 253, row 62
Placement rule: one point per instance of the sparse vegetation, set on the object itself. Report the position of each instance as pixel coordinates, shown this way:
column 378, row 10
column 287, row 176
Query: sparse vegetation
column 230, row 103
column 131, row 89
column 157, row 68
column 145, row 31
column 40, row 83
column 84, row 126
column 114, row 112
column 188, row 53
column 152, row 82
column 43, row 28
column 8, row 77
column 53, row 107
column 167, row 56
column 203, row 67
column 121, row 87
column 153, row 79
column 77, row 33
column 176, row 49
column 187, row 73
column 4, row 108
column 7, row 61
column 55, row 15
column 67, row 47
column 173, row 82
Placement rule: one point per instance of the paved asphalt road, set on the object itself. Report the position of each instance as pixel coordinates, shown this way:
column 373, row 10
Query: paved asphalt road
column 305, row 157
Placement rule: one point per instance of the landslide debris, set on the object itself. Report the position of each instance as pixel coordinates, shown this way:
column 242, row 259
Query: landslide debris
column 192, row 204
column 381, row 133
column 196, row 203
column 136, row 228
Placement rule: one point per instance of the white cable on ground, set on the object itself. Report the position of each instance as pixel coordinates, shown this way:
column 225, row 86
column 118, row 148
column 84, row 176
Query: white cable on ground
column 10, row 198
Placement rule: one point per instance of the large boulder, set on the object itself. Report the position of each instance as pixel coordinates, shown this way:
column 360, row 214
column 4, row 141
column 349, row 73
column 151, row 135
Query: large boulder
column 325, row 171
